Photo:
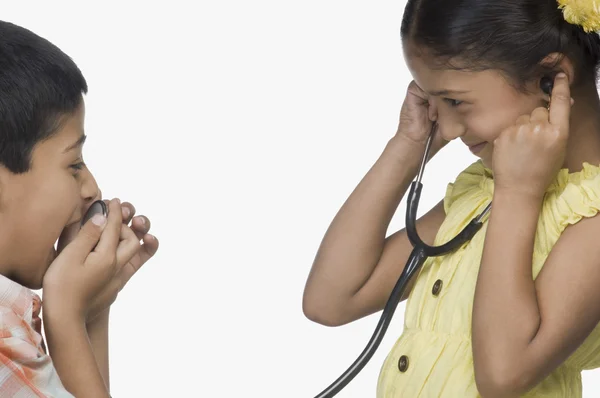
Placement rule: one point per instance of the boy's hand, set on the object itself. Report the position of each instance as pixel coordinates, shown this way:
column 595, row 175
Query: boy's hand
column 140, row 226
column 88, row 263
column 528, row 155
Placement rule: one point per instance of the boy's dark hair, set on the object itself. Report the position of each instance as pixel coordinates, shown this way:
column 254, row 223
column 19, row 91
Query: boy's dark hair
column 509, row 35
column 39, row 84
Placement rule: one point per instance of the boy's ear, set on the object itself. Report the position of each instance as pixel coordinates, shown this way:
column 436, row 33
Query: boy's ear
column 558, row 62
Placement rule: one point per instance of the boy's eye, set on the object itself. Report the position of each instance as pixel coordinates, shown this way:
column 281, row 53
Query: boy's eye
column 78, row 166
column 453, row 102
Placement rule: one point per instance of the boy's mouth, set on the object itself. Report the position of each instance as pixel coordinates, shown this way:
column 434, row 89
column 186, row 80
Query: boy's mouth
column 67, row 235
column 53, row 254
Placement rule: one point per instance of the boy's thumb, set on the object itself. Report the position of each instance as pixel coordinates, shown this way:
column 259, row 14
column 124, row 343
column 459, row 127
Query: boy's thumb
column 90, row 233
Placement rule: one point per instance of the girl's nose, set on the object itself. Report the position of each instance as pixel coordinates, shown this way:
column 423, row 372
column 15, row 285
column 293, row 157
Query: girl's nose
column 450, row 129
column 432, row 111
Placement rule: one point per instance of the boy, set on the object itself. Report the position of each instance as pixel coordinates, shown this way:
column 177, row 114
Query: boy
column 45, row 189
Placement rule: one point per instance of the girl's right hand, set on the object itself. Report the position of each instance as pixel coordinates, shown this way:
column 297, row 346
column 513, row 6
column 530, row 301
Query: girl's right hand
column 416, row 121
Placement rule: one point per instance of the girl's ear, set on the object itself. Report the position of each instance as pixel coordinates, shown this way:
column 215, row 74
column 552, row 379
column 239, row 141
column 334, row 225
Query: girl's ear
column 558, row 62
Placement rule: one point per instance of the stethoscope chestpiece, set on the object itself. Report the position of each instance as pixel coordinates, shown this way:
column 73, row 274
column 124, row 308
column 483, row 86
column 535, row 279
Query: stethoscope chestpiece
column 98, row 207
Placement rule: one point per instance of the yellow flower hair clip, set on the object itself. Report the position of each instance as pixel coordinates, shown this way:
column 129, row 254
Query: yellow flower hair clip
column 585, row 13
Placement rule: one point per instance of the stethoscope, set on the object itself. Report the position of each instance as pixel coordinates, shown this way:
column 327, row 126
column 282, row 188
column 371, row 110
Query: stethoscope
column 421, row 251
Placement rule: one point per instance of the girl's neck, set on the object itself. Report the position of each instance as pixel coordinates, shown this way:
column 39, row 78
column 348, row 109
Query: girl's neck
column 584, row 134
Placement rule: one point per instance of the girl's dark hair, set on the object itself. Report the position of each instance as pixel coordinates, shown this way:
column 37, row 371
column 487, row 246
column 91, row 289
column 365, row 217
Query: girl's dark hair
column 509, row 35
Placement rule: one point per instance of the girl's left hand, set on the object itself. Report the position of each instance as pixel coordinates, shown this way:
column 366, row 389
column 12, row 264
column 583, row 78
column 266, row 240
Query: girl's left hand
column 528, row 155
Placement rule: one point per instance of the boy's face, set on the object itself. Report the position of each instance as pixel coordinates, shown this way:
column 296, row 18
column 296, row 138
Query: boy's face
column 473, row 106
column 37, row 205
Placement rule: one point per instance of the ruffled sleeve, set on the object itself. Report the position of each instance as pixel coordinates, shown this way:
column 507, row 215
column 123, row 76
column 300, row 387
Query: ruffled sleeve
column 465, row 199
column 473, row 182
column 570, row 198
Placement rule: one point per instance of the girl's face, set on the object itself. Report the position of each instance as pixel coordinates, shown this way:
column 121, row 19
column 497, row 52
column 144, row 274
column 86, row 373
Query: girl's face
column 473, row 106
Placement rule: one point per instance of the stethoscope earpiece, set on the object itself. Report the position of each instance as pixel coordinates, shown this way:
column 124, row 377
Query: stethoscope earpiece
column 546, row 84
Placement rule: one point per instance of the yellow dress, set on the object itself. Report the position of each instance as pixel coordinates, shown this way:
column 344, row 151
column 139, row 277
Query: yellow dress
column 433, row 357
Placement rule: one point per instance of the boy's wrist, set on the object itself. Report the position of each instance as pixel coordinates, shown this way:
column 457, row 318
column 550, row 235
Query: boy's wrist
column 72, row 354
column 97, row 330
column 55, row 314
column 100, row 320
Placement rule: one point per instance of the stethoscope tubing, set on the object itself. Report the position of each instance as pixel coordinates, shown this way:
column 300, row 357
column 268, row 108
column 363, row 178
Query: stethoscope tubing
column 421, row 251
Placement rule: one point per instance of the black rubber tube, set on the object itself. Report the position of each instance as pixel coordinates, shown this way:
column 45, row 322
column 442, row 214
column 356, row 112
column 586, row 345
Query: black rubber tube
column 416, row 259
column 412, row 206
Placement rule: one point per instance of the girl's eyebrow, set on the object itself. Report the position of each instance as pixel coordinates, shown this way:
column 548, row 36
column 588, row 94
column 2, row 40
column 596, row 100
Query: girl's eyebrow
column 446, row 92
column 76, row 144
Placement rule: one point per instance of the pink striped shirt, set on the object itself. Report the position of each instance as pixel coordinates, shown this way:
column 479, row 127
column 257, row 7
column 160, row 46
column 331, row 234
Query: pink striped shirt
column 26, row 370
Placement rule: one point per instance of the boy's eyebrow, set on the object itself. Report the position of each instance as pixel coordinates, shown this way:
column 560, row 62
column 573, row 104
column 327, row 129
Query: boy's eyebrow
column 446, row 92
column 77, row 143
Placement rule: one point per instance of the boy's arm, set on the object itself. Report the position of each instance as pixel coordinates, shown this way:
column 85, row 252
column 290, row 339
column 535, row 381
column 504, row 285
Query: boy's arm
column 73, row 356
column 98, row 334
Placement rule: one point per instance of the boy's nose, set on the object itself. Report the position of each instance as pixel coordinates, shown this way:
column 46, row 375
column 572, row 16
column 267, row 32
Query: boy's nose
column 90, row 191
column 92, row 196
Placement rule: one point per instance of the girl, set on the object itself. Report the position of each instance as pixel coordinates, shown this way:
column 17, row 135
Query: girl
column 514, row 311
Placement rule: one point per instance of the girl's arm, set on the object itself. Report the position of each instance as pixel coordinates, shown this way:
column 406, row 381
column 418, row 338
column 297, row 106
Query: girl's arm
column 356, row 267
column 523, row 330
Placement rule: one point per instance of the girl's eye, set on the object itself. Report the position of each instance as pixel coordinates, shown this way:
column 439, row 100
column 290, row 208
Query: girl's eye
column 453, row 103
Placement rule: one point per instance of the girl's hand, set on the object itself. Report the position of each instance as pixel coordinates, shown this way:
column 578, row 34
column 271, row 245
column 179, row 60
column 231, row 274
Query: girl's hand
column 528, row 155
column 415, row 123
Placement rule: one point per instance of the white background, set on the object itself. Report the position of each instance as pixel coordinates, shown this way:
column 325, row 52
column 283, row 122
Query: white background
column 239, row 128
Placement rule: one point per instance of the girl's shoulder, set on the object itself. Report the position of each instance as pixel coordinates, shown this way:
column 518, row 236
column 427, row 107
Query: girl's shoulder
column 472, row 186
column 572, row 196
column 569, row 193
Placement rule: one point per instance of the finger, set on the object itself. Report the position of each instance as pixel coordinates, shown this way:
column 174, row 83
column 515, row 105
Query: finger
column 415, row 96
column 523, row 119
column 110, row 236
column 539, row 115
column 414, row 89
column 141, row 226
column 128, row 212
column 129, row 245
column 88, row 236
column 149, row 248
column 560, row 103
